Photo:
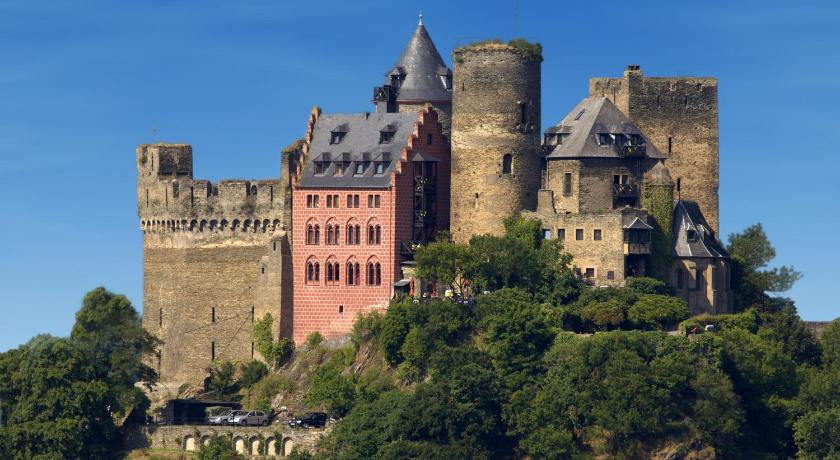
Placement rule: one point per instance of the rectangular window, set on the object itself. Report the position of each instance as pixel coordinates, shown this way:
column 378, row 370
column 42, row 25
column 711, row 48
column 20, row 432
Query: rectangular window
column 698, row 279
column 360, row 169
column 380, row 169
column 610, row 275
column 547, row 233
column 561, row 234
column 213, row 314
column 385, row 136
column 252, row 350
column 319, row 168
column 252, row 314
column 308, row 201
column 160, row 317
column 376, row 201
column 579, row 234
column 355, row 201
column 316, row 201
column 349, row 201
column 212, row 351
column 590, row 273
column 329, row 201
column 339, row 169
column 680, row 278
column 714, row 276
column 567, row 184
column 370, row 201
column 429, row 139
column 596, row 235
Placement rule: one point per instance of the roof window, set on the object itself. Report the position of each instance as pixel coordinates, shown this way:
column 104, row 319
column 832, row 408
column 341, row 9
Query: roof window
column 580, row 114
column 605, row 139
column 337, row 134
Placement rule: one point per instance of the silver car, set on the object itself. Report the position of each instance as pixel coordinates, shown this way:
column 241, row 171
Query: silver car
column 225, row 418
column 253, row 417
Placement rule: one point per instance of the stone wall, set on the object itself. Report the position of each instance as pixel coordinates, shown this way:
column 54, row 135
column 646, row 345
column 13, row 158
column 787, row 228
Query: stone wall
column 680, row 116
column 275, row 441
column 215, row 255
column 495, row 112
column 592, row 182
column 704, row 284
column 605, row 256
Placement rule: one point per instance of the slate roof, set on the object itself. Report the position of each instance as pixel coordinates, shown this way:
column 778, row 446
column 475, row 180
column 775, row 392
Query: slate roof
column 423, row 67
column 637, row 224
column 359, row 145
column 687, row 219
column 592, row 116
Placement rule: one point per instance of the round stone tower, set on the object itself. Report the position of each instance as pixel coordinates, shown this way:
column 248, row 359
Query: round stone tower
column 495, row 135
column 658, row 200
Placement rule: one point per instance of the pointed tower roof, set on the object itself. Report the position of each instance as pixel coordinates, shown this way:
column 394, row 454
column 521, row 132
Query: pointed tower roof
column 692, row 235
column 423, row 74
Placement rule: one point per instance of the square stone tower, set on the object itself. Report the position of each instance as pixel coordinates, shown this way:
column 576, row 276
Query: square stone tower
column 680, row 116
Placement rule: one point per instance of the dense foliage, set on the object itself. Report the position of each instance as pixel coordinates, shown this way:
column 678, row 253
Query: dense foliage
column 65, row 397
column 518, row 373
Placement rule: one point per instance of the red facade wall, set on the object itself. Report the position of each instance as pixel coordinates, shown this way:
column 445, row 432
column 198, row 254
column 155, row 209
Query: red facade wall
column 332, row 308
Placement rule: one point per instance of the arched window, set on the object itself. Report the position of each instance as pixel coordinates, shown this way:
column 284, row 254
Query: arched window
column 358, row 231
column 350, row 279
column 370, row 234
column 317, row 271
column 310, row 234
column 336, row 270
column 507, row 164
column 336, row 235
column 378, row 274
column 317, row 234
column 330, row 234
column 378, row 234
column 371, row 274
column 310, row 272
column 329, row 273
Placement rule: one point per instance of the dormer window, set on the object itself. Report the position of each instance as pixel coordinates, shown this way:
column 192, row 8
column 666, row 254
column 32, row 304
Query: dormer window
column 386, row 135
column 340, row 168
column 337, row 134
column 361, row 167
column 336, row 137
column 691, row 236
column 605, row 139
column 636, row 139
column 320, row 168
column 380, row 168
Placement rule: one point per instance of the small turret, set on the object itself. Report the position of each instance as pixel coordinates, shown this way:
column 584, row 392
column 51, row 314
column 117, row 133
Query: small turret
column 658, row 200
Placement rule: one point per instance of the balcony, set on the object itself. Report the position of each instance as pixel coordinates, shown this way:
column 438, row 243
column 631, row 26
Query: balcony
column 631, row 249
column 423, row 184
column 624, row 191
column 633, row 151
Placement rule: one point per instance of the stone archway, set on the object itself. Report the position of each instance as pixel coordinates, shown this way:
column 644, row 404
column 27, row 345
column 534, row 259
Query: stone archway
column 190, row 444
column 254, row 446
column 239, row 445
column 271, row 446
column 288, row 445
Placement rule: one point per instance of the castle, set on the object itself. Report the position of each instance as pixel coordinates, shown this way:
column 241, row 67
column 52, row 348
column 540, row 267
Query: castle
column 628, row 180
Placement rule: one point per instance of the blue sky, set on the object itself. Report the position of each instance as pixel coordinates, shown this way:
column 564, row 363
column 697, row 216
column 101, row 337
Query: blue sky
column 82, row 83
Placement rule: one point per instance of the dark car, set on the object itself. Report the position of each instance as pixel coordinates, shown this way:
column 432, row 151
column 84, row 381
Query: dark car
column 311, row 419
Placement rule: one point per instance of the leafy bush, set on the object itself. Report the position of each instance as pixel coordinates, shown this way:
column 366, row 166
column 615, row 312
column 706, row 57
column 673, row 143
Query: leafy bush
column 223, row 378
column 218, row 448
column 314, row 339
column 646, row 285
column 251, row 373
column 655, row 311
column 276, row 353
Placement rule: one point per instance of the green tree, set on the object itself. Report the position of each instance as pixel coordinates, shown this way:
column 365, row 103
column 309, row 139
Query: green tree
column 276, row 353
column 655, row 311
column 218, row 448
column 751, row 253
column 444, row 262
column 250, row 373
column 110, row 333
column 642, row 285
column 223, row 378
column 818, row 434
column 332, row 390
column 830, row 342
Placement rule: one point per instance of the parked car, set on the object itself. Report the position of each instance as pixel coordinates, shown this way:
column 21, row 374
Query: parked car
column 253, row 417
column 312, row 419
column 221, row 418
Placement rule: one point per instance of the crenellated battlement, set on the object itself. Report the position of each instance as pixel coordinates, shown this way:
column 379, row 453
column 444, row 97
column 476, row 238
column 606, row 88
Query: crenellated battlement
column 169, row 199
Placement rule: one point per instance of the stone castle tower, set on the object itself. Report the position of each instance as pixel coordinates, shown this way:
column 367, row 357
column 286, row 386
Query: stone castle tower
column 495, row 136
column 215, row 256
column 680, row 116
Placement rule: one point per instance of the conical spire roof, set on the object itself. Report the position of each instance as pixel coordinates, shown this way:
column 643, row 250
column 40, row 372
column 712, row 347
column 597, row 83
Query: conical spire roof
column 423, row 74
